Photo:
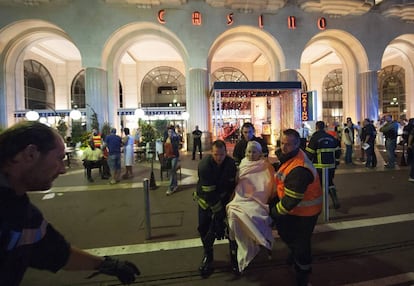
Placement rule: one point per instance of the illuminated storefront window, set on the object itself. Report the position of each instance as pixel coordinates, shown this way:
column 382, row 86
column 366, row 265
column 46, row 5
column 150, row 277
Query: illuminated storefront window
column 332, row 110
column 392, row 91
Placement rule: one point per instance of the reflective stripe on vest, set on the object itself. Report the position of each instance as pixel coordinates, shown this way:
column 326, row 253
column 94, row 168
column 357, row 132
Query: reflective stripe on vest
column 311, row 204
column 97, row 140
column 319, row 152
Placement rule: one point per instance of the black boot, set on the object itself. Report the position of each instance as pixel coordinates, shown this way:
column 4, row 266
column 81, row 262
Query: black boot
column 206, row 266
column 334, row 197
column 233, row 257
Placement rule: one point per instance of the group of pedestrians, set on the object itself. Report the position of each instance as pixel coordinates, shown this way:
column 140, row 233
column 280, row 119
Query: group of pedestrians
column 105, row 154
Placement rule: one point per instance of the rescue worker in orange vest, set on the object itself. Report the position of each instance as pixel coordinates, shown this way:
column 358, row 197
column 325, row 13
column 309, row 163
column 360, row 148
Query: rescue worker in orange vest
column 97, row 140
column 297, row 204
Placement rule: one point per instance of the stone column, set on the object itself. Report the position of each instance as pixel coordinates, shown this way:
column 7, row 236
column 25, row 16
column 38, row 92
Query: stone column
column 369, row 95
column 96, row 95
column 197, row 98
column 289, row 75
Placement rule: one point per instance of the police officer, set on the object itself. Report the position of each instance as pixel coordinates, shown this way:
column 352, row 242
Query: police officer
column 215, row 187
column 324, row 151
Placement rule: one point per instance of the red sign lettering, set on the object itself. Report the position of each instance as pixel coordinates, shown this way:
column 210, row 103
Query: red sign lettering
column 160, row 16
column 230, row 20
column 292, row 22
column 196, row 19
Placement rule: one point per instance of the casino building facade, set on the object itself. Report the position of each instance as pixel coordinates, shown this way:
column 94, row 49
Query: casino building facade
column 158, row 60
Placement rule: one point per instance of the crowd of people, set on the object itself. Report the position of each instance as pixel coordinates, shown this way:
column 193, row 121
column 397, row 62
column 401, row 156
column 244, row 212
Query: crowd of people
column 241, row 197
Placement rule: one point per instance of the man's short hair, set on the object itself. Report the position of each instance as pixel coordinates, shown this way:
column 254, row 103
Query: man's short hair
column 293, row 133
column 247, row 125
column 219, row 144
column 320, row 125
column 16, row 138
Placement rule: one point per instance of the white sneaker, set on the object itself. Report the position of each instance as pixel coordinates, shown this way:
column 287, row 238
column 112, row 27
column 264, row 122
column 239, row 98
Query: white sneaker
column 171, row 191
column 410, row 179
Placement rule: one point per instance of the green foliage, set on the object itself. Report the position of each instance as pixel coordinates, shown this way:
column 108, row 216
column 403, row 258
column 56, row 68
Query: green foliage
column 77, row 131
column 106, row 129
column 148, row 132
column 62, row 128
column 160, row 126
column 94, row 120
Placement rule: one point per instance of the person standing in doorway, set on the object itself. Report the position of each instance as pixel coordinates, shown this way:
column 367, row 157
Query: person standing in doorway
column 197, row 142
column 215, row 187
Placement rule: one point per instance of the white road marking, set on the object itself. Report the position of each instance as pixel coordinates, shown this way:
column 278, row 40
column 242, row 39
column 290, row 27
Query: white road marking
column 196, row 242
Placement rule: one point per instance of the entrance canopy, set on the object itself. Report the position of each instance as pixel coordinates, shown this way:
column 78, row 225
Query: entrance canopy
column 255, row 88
column 269, row 106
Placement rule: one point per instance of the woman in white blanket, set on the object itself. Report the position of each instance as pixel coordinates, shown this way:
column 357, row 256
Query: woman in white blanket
column 248, row 212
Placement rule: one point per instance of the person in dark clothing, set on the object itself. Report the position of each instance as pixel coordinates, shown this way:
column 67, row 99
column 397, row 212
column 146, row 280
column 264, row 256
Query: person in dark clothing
column 390, row 131
column 410, row 157
column 197, row 142
column 368, row 135
column 31, row 157
column 247, row 131
column 324, row 151
column 298, row 203
column 215, row 187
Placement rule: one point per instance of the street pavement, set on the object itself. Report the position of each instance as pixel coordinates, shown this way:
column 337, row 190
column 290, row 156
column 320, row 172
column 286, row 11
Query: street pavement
column 368, row 241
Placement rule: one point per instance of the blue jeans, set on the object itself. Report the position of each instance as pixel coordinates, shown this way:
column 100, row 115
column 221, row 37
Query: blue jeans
column 173, row 179
column 371, row 157
column 348, row 154
column 390, row 146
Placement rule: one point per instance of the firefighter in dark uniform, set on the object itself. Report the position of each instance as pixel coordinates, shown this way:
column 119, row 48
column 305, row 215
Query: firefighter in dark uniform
column 298, row 203
column 324, row 151
column 215, row 187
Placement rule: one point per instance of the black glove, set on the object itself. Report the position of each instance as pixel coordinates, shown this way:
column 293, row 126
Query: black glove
column 125, row 271
column 219, row 224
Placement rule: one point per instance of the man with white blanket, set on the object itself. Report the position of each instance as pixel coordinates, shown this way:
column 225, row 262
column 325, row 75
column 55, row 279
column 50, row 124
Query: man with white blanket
column 248, row 212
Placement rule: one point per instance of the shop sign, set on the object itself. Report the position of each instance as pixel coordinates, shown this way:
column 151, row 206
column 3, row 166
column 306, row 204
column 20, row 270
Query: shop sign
column 196, row 20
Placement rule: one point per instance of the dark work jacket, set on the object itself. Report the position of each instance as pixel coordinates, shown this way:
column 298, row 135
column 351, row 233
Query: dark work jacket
column 26, row 238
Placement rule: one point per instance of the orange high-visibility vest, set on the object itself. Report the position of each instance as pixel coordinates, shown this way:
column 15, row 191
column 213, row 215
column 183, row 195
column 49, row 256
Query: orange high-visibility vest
column 97, row 140
column 311, row 204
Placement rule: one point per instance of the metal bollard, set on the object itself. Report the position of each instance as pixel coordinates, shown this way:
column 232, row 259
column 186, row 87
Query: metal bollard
column 325, row 194
column 147, row 218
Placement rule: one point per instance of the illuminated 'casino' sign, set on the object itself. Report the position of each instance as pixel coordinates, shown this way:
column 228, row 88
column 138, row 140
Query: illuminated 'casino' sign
column 196, row 20
column 307, row 106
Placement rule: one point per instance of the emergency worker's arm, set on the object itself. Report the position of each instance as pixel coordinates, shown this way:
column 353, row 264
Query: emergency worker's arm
column 296, row 183
column 310, row 150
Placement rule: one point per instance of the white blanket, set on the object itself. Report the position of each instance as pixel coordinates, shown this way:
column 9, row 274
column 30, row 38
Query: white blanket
column 248, row 212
